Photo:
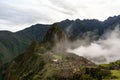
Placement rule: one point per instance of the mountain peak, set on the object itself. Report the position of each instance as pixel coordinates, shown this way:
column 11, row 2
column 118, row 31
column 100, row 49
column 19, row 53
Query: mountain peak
column 54, row 33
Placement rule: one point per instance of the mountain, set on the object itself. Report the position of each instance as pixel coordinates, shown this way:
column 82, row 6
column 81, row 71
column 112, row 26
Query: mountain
column 54, row 34
column 13, row 44
column 78, row 27
column 10, row 45
column 35, row 32
column 43, row 66
column 39, row 62
column 112, row 21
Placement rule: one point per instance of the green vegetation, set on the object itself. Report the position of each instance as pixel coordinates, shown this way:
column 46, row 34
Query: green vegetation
column 57, row 56
column 105, row 65
column 115, row 65
column 36, row 63
column 114, row 68
column 14, row 44
column 116, row 74
column 31, row 66
column 53, row 35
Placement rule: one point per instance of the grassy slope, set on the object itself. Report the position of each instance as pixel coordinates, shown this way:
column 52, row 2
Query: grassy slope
column 116, row 73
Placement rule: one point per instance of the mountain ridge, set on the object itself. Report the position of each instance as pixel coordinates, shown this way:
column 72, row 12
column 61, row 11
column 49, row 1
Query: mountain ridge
column 39, row 62
column 14, row 43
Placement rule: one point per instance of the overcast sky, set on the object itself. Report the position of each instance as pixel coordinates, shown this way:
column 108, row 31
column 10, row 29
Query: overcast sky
column 19, row 14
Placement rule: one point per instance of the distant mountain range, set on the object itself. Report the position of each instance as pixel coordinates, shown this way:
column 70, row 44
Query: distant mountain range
column 14, row 44
column 36, row 57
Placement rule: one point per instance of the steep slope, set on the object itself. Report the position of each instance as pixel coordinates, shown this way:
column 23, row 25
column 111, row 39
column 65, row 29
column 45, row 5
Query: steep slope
column 10, row 45
column 54, row 34
column 35, row 32
column 78, row 27
column 13, row 44
column 40, row 63
column 43, row 66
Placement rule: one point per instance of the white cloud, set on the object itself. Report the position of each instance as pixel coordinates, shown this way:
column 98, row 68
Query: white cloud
column 27, row 12
column 104, row 50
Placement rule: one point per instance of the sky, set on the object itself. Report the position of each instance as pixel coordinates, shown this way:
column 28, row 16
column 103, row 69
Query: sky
column 19, row 14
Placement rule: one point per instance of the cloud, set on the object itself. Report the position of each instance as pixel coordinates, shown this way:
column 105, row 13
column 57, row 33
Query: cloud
column 105, row 50
column 20, row 15
column 64, row 5
column 66, row 12
column 27, row 12
column 14, row 16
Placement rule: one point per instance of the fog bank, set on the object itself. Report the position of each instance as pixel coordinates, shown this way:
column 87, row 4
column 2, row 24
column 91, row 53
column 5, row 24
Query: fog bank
column 104, row 50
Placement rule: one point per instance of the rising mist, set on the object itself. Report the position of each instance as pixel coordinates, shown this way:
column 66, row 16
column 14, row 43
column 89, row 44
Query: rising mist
column 104, row 50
